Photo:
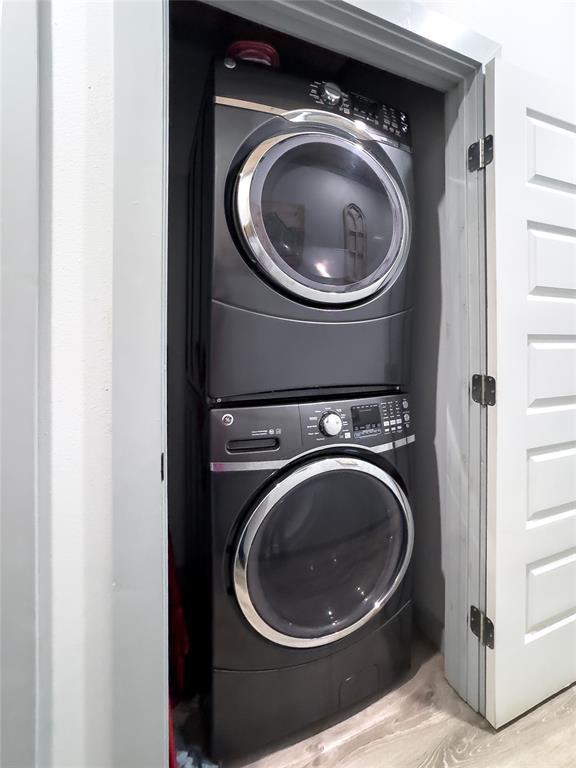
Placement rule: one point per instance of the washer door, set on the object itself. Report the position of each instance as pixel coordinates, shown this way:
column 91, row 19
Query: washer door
column 322, row 217
column 323, row 551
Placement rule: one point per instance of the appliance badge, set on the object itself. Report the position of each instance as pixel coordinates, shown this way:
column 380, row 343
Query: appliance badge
column 227, row 419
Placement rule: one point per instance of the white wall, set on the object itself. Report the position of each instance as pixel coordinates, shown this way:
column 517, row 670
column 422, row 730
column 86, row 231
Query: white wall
column 75, row 518
column 537, row 36
column 18, row 379
column 102, row 604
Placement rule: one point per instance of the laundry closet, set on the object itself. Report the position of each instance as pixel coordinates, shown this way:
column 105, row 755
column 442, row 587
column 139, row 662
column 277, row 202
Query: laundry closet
column 306, row 215
column 175, row 524
column 335, row 311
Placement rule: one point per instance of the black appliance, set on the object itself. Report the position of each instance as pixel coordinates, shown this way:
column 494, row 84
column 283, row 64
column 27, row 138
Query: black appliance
column 301, row 281
column 309, row 537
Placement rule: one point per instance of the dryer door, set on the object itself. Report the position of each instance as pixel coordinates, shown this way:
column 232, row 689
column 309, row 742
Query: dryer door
column 323, row 551
column 322, row 217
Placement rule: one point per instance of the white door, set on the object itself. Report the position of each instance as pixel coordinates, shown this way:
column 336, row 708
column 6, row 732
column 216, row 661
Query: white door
column 531, row 526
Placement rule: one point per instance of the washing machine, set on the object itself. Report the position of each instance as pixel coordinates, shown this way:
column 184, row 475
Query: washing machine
column 309, row 279
column 311, row 541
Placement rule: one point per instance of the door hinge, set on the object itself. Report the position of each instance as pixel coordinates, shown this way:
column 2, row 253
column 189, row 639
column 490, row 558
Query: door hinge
column 482, row 627
column 162, row 467
column 483, row 389
column 481, row 153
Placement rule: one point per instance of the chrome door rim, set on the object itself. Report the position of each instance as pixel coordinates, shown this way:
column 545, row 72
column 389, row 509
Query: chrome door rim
column 262, row 510
column 260, row 245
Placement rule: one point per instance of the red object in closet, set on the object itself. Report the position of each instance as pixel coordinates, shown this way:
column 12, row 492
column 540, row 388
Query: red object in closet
column 254, row 51
column 178, row 645
column 172, row 762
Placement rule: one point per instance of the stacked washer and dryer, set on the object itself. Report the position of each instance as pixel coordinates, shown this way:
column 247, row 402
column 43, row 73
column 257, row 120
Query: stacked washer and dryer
column 300, row 348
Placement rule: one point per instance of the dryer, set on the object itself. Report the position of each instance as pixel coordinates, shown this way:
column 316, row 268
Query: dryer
column 309, row 250
column 311, row 537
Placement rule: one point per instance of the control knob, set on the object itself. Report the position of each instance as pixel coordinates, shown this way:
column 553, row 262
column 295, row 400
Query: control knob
column 330, row 94
column 330, row 424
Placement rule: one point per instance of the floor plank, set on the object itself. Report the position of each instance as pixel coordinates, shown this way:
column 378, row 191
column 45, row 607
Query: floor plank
column 424, row 724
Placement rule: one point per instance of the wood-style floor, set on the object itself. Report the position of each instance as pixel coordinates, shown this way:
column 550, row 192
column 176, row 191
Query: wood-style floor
column 424, row 724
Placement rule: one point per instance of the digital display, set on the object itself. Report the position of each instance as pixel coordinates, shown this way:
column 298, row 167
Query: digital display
column 366, row 417
column 363, row 106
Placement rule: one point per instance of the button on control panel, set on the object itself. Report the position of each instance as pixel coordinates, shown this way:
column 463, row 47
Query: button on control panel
column 355, row 106
column 371, row 421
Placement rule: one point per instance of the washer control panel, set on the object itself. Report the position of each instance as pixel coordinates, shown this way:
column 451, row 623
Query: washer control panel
column 371, row 421
column 280, row 432
column 385, row 118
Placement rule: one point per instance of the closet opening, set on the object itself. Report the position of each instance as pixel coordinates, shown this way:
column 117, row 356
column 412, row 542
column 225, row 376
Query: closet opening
column 286, row 496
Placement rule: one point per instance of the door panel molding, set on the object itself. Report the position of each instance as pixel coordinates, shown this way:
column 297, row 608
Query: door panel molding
column 531, row 576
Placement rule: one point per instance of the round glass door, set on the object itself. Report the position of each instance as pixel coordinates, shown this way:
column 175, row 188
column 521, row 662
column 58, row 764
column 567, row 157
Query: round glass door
column 322, row 217
column 323, row 551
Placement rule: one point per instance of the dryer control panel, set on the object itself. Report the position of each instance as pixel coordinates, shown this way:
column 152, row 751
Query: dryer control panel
column 282, row 432
column 385, row 118
column 252, row 86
